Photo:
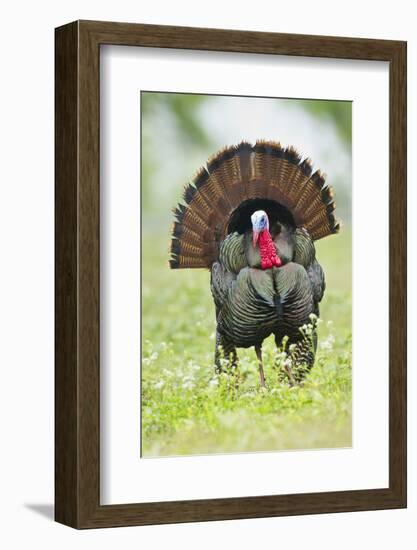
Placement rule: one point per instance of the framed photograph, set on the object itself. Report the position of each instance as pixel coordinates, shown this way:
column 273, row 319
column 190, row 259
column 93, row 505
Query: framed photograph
column 230, row 274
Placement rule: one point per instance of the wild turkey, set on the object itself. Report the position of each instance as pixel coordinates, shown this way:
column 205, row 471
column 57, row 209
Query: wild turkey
column 251, row 216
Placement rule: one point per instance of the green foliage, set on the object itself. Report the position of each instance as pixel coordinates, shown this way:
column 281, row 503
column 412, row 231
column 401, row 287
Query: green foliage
column 188, row 409
column 177, row 140
column 338, row 112
column 164, row 114
column 183, row 108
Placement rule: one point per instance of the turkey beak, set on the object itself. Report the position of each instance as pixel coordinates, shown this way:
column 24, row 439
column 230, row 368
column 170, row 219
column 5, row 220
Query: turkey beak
column 255, row 237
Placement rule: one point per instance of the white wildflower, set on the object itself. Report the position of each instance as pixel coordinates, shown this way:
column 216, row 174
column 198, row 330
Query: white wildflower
column 159, row 385
column 327, row 344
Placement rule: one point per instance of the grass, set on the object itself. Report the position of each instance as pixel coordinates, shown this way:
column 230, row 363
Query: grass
column 187, row 409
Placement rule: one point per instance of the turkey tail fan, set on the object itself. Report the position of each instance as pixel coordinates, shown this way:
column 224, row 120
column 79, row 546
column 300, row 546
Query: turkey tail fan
column 237, row 175
column 210, row 199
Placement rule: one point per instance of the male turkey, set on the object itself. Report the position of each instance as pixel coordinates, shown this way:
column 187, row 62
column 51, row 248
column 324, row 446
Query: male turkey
column 251, row 216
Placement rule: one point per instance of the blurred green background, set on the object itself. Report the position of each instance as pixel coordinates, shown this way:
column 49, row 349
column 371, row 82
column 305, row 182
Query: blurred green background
column 186, row 409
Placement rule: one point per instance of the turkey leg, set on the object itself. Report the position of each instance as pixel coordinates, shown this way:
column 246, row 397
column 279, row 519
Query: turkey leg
column 258, row 350
column 224, row 349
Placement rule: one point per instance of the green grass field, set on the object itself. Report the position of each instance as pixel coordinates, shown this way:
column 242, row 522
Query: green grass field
column 187, row 409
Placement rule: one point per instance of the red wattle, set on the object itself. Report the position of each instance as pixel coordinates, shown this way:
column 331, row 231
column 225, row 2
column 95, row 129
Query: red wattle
column 268, row 251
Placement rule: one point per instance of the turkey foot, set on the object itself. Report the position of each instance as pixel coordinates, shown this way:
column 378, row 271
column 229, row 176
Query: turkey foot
column 258, row 350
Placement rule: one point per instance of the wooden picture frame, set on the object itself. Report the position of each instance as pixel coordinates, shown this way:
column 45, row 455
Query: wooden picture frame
column 77, row 382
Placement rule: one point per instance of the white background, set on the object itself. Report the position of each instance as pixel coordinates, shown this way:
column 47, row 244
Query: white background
column 26, row 218
column 124, row 477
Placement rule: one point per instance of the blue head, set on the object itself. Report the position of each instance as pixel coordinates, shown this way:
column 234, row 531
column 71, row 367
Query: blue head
column 260, row 222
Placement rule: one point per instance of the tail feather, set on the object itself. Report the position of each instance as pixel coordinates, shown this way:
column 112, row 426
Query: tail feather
column 226, row 167
column 316, row 205
column 190, row 249
column 210, row 193
column 241, row 173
